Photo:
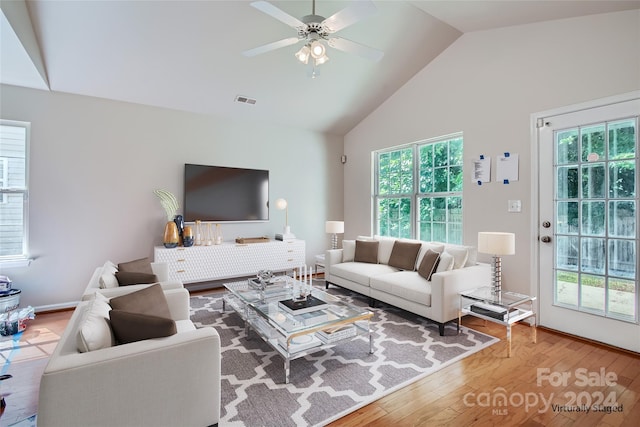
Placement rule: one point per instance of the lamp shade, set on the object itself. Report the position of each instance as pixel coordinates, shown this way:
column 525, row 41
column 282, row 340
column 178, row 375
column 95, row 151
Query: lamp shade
column 496, row 243
column 334, row 227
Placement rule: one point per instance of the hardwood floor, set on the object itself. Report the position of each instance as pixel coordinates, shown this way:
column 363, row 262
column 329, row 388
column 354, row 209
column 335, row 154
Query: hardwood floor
column 484, row 389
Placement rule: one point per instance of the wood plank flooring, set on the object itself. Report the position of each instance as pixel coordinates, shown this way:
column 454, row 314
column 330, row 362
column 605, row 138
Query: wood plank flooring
column 484, row 389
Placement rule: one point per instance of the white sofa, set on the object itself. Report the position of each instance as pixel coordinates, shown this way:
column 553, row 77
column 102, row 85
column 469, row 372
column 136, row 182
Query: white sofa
column 104, row 277
column 170, row 381
column 437, row 299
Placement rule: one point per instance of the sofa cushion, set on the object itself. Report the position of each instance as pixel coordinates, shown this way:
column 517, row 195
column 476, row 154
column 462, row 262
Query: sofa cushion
column 94, row 331
column 142, row 265
column 445, row 263
column 126, row 278
column 404, row 284
column 348, row 250
column 385, row 248
column 150, row 300
column 435, row 247
column 360, row 272
column 460, row 255
column 429, row 264
column 131, row 327
column 404, row 254
column 108, row 277
column 366, row 252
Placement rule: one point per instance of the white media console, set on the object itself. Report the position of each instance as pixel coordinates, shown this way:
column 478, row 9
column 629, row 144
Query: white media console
column 228, row 260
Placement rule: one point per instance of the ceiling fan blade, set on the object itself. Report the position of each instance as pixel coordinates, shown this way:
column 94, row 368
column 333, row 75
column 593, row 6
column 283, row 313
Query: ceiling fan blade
column 355, row 48
column 271, row 46
column 279, row 14
column 349, row 15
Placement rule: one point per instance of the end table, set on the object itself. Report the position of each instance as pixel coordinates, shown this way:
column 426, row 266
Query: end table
column 504, row 308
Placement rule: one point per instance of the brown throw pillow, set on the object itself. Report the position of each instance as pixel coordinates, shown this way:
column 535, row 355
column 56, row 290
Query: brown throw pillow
column 133, row 278
column 429, row 264
column 366, row 251
column 142, row 265
column 130, row 327
column 149, row 301
column 404, row 254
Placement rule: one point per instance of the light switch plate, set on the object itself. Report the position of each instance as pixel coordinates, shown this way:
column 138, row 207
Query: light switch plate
column 515, row 206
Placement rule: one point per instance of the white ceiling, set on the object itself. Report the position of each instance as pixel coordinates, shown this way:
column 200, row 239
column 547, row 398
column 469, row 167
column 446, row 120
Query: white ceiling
column 186, row 55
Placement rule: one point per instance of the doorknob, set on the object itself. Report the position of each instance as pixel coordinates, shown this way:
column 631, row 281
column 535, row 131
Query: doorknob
column 545, row 239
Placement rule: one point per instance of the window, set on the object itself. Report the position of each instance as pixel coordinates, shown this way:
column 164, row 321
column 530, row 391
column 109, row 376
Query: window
column 13, row 190
column 418, row 190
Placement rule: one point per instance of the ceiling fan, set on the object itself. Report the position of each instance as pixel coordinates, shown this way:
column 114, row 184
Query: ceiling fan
column 314, row 30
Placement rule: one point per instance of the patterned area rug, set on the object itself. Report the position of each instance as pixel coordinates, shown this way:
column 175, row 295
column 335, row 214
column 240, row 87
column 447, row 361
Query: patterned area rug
column 331, row 383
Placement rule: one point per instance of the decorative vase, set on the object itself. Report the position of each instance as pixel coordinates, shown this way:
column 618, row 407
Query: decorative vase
column 171, row 236
column 218, row 235
column 187, row 237
column 179, row 220
column 198, row 239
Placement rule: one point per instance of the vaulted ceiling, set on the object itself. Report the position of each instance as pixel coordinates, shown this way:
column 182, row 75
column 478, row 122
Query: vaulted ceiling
column 186, row 55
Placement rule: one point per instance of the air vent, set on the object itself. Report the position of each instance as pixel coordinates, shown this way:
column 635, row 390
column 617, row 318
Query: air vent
column 245, row 100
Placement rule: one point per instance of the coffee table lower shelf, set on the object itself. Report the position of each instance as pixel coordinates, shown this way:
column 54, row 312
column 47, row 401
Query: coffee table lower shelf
column 259, row 318
column 276, row 342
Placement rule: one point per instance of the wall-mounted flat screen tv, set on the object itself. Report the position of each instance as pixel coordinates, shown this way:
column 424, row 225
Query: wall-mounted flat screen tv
column 225, row 194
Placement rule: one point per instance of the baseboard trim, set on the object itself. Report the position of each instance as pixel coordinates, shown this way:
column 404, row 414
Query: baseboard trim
column 56, row 307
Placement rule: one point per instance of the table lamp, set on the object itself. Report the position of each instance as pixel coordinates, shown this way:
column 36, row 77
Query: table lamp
column 282, row 204
column 334, row 228
column 496, row 244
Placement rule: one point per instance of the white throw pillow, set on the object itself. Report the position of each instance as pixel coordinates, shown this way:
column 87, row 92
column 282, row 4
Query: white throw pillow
column 459, row 256
column 446, row 262
column 348, row 250
column 94, row 332
column 108, row 277
column 385, row 247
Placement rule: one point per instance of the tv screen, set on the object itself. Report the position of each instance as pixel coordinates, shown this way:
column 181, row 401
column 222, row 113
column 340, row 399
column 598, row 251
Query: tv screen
column 225, row 194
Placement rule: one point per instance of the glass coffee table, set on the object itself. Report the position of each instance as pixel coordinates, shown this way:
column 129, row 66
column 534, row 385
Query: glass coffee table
column 288, row 331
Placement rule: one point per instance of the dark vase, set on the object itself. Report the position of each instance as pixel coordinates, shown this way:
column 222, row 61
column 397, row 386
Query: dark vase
column 179, row 220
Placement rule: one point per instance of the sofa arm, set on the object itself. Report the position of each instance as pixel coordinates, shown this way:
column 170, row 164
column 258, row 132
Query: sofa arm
column 165, row 381
column 446, row 288
column 331, row 257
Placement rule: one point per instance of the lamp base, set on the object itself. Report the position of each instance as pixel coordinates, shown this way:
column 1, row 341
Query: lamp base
column 285, row 236
column 496, row 273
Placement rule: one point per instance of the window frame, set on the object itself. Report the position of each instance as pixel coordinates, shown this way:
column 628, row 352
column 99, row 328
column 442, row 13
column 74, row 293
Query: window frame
column 22, row 259
column 416, row 196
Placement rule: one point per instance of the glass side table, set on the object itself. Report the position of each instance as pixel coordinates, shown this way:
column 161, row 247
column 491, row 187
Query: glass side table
column 504, row 308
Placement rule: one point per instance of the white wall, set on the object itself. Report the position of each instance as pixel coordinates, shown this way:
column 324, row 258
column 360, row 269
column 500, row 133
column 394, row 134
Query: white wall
column 487, row 84
column 94, row 165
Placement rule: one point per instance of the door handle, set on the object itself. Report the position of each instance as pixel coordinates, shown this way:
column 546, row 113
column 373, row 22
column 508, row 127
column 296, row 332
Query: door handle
column 545, row 239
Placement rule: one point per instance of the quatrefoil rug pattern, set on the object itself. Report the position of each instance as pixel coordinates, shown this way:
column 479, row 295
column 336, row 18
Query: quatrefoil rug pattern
column 331, row 383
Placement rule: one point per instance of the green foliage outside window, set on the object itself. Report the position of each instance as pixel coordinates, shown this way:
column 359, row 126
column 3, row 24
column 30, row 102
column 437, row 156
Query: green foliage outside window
column 435, row 205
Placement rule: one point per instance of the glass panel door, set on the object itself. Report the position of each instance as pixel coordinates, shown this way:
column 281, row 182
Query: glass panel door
column 587, row 225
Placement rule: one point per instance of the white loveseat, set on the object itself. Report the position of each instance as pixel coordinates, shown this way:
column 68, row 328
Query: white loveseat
column 169, row 381
column 436, row 299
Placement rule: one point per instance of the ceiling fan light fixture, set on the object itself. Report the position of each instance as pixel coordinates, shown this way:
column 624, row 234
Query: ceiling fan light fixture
column 303, row 54
column 318, row 49
column 321, row 60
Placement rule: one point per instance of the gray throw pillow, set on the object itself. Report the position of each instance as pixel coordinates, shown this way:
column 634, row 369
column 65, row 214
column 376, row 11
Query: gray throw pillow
column 131, row 327
column 429, row 264
column 126, row 278
column 404, row 254
column 142, row 265
column 366, row 251
column 150, row 300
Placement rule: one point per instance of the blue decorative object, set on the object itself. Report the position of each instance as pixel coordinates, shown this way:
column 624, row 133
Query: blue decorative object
column 180, row 224
column 187, row 241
